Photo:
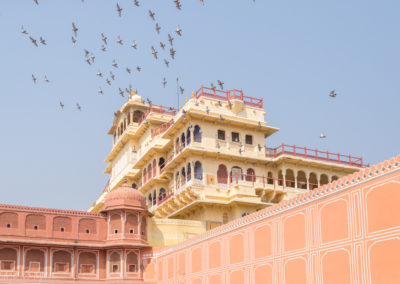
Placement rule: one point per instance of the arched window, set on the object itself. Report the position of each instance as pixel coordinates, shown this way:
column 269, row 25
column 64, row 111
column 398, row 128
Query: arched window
column 144, row 175
column 334, row 178
column 162, row 194
column 289, row 177
column 183, row 175
column 250, row 175
column 301, row 180
column 198, row 171
column 177, row 145
column 183, row 140
column 154, row 197
column 270, row 179
column 225, row 218
column 161, row 163
column 222, row 174
column 189, row 172
column 137, row 115
column 197, row 134
column 188, row 136
column 149, row 172
column 150, row 199
column 280, row 178
column 323, row 179
column 154, row 168
column 177, row 180
column 236, row 174
column 313, row 181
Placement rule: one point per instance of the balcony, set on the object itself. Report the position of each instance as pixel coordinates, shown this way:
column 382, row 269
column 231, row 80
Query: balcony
column 314, row 154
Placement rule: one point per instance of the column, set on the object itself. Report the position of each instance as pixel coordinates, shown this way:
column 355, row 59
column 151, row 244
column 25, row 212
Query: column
column 295, row 181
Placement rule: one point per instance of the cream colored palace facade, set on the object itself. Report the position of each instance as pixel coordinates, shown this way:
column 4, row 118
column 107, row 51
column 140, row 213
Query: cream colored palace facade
column 206, row 163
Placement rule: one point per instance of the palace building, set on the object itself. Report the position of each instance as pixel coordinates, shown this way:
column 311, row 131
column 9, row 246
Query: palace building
column 209, row 162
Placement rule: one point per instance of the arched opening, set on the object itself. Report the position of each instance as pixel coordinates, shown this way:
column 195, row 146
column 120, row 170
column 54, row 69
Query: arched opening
column 177, row 145
column 197, row 134
column 188, row 136
column 150, row 199
column 149, row 172
column 280, row 178
column 154, row 197
column 289, row 177
column 61, row 261
column 189, row 172
column 301, row 180
column 222, row 174
column 137, row 115
column 115, row 262
column 177, row 180
column 236, row 174
column 250, row 175
column 154, row 168
column 334, row 178
column 183, row 140
column 323, row 179
column 224, row 218
column 183, row 175
column 87, row 262
column 132, row 224
column 161, row 163
column 198, row 170
column 313, row 181
column 132, row 262
column 35, row 260
column 144, row 176
column 270, row 178
column 8, row 259
column 162, row 194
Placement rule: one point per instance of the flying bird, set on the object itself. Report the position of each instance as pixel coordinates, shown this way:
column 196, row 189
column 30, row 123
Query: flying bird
column 158, row 28
column 78, row 107
column 166, row 62
column 154, row 52
column 45, row 79
column 333, row 94
column 119, row 40
column 121, row 92
column 42, row 41
column 179, row 30
column 88, row 60
column 99, row 73
column 23, row 31
column 172, row 53
column 119, row 10
column 114, row 64
column 170, row 39
column 108, row 82
column 177, row 4
column 164, row 82
column 33, row 41
column 36, row 2
column 34, row 79
column 213, row 87
column 73, row 41
column 202, row 2
column 61, row 105
column 100, row 91
column 92, row 57
column 138, row 68
column 104, row 38
column 221, row 84
column 86, row 52
column 322, row 135
column 112, row 75
column 181, row 89
column 162, row 45
column 152, row 14
column 128, row 70
column 136, row 3
column 103, row 48
column 74, row 29
column 133, row 44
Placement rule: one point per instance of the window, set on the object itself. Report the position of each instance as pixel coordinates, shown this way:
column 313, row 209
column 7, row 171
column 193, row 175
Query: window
column 249, row 139
column 235, row 137
column 132, row 268
column 134, row 185
column 62, row 229
column 35, row 227
column 221, row 134
column 115, row 231
column 87, row 231
column 197, row 134
column 198, row 171
column 87, row 268
column 115, row 268
column 61, row 267
column 8, row 226
column 6, row 265
column 222, row 174
column 131, row 231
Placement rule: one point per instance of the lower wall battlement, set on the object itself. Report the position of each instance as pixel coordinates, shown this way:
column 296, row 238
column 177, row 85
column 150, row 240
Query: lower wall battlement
column 347, row 231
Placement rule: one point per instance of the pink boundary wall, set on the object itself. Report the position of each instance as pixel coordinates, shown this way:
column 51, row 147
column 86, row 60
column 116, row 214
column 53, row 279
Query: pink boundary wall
column 344, row 232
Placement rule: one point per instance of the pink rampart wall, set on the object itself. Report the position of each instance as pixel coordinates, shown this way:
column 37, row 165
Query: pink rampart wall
column 344, row 232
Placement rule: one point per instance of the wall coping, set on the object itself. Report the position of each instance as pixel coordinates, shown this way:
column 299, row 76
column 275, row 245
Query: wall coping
column 48, row 210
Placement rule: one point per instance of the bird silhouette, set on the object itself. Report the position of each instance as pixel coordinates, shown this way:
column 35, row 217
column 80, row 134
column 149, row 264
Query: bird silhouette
column 178, row 30
column 152, row 14
column 158, row 28
column 34, row 79
column 119, row 10
column 74, row 29
column 170, row 39
column 23, row 31
column 333, row 94
column 33, row 41
column 164, row 82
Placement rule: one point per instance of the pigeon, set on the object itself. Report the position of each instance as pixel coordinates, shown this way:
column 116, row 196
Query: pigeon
column 177, row 4
column 86, row 52
column 119, row 10
column 23, row 31
column 121, row 92
column 221, row 84
column 136, row 3
column 166, row 62
column 99, row 73
column 42, row 41
column 92, row 57
column 162, row 45
column 45, row 79
column 119, row 40
column 170, row 39
column 181, row 89
column 103, row 48
column 154, row 52
column 179, row 30
column 114, row 64
column 61, row 105
column 100, row 91
column 149, row 101
column 213, row 87
column 133, row 44
column 88, row 61
column 172, row 53
column 164, row 82
column 322, row 135
column 78, row 107
column 138, row 68
column 112, row 75
column 34, row 79
column 104, row 38
column 36, row 2
column 127, row 91
column 202, row 2
column 33, row 41
column 74, row 29
column 332, row 94
column 128, row 70
column 108, row 82
column 152, row 14
column 158, row 28
column 73, row 41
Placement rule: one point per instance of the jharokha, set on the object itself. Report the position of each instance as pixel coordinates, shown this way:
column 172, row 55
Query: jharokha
column 197, row 195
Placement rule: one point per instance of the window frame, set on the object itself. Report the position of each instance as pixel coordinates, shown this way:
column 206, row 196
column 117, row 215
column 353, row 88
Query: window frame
column 249, row 136
column 238, row 137
column 220, row 131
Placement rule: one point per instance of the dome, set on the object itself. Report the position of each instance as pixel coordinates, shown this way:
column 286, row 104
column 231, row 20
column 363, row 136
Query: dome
column 125, row 197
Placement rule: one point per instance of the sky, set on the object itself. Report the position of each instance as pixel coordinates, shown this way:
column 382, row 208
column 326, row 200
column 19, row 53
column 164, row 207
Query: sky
column 290, row 53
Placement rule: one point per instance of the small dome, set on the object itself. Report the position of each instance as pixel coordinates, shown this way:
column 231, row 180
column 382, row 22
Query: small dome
column 134, row 97
column 125, row 197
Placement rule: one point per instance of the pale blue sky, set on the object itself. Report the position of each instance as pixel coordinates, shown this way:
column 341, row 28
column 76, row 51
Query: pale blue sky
column 290, row 53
